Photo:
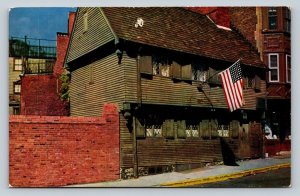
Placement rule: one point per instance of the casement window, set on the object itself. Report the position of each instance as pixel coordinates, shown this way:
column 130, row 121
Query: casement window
column 288, row 68
column 191, row 129
column 85, row 22
column 155, row 65
column 18, row 65
column 154, row 127
column 257, row 82
column 223, row 130
column 161, row 65
column 287, row 20
column 153, row 130
column 252, row 82
column 17, row 88
column 249, row 82
column 272, row 16
column 274, row 67
column 199, row 72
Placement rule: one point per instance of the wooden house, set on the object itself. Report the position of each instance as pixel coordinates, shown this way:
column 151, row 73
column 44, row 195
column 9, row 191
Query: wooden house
column 159, row 65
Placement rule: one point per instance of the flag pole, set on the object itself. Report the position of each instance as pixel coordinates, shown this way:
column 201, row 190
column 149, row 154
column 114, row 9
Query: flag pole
column 223, row 70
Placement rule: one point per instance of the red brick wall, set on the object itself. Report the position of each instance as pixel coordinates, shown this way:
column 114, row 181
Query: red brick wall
column 40, row 96
column 47, row 151
column 71, row 22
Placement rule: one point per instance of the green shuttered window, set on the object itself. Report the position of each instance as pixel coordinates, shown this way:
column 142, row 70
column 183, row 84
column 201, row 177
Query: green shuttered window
column 257, row 83
column 181, row 126
column 186, row 72
column 146, row 64
column 176, row 70
column 205, row 129
column 168, row 128
column 140, row 129
column 214, row 128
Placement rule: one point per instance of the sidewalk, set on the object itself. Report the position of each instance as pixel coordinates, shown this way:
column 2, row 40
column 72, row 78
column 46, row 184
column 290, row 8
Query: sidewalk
column 201, row 175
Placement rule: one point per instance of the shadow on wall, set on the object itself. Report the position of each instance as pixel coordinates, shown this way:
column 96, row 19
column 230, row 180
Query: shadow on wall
column 227, row 154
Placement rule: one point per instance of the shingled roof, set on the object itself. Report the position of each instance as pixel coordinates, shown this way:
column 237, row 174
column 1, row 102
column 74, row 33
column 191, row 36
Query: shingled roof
column 181, row 30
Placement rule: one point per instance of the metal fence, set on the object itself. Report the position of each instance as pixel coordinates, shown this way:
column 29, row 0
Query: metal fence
column 42, row 67
column 32, row 48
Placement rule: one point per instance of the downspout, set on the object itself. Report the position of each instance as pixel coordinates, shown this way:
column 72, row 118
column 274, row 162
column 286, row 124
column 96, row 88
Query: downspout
column 139, row 82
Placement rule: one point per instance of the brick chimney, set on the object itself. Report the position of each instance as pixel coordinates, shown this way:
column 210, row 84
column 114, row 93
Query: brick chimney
column 62, row 46
column 71, row 22
column 219, row 15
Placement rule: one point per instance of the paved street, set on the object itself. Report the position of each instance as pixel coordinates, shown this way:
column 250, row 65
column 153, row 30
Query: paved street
column 270, row 172
column 274, row 178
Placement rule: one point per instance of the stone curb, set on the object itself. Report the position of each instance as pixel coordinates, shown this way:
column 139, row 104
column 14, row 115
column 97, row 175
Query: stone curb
column 223, row 177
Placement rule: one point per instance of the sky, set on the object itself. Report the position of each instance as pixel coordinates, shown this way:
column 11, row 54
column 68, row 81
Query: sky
column 39, row 23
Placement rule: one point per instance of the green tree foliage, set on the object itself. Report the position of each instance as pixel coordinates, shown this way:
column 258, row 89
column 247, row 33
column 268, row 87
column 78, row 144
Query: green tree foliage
column 64, row 90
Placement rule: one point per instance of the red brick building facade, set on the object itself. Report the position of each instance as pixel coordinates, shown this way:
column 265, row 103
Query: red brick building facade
column 41, row 93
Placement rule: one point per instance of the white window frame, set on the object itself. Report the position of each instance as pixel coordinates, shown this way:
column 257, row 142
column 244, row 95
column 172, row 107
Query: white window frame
column 286, row 66
column 269, row 65
column 18, row 65
column 17, row 88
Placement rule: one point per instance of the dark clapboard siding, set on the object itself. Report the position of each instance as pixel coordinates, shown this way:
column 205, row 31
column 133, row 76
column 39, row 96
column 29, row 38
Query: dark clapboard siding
column 130, row 71
column 87, row 98
column 162, row 90
column 159, row 151
column 126, row 153
column 98, row 33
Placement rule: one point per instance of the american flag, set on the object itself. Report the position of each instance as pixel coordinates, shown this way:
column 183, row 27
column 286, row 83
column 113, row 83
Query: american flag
column 232, row 83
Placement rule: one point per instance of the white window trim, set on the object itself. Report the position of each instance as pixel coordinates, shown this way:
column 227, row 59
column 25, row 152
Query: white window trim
column 269, row 65
column 286, row 67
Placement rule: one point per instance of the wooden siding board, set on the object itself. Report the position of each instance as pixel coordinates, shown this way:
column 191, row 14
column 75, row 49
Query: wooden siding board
column 108, row 87
column 156, row 151
column 130, row 71
column 126, row 147
column 162, row 90
column 98, row 33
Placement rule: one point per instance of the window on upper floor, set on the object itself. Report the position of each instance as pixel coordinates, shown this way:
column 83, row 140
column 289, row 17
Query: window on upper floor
column 161, row 65
column 252, row 81
column 17, row 88
column 18, row 65
column 272, row 16
column 85, row 22
column 199, row 72
column 274, row 67
column 288, row 68
column 287, row 23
